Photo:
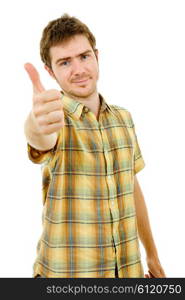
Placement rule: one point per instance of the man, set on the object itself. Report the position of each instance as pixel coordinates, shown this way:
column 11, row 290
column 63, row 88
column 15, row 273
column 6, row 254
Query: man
column 94, row 209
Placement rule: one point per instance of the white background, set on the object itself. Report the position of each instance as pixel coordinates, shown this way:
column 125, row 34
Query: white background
column 142, row 68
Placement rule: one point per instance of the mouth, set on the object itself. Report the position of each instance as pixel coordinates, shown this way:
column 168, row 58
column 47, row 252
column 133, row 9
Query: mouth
column 81, row 81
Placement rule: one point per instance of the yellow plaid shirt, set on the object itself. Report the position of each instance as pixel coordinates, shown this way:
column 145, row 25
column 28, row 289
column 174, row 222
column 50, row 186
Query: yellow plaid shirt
column 89, row 218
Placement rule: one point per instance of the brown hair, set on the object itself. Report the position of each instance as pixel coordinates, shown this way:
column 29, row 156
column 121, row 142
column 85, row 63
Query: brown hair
column 60, row 30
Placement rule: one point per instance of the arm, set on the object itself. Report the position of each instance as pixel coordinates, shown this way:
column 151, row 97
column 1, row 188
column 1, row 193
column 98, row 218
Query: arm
column 145, row 233
column 46, row 117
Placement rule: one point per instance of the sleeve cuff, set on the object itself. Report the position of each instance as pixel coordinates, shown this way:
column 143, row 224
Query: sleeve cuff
column 38, row 156
column 139, row 164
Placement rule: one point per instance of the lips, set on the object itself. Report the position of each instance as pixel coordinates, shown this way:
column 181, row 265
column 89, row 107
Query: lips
column 81, row 81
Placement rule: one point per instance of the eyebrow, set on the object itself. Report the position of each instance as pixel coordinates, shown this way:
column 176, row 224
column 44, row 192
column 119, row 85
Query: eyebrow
column 66, row 58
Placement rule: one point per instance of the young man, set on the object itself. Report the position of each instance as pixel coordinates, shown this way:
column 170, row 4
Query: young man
column 94, row 210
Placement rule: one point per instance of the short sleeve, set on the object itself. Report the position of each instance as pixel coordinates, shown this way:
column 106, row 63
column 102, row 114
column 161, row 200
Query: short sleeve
column 139, row 162
column 38, row 156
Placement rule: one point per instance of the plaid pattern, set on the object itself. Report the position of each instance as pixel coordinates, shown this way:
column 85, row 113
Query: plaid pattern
column 89, row 218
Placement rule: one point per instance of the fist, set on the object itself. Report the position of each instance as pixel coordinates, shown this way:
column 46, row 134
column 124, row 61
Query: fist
column 47, row 108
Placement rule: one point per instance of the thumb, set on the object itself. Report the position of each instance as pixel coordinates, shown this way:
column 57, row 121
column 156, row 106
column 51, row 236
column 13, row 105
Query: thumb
column 35, row 78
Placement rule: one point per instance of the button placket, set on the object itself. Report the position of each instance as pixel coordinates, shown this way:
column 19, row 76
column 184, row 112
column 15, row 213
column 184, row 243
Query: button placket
column 86, row 109
column 111, row 184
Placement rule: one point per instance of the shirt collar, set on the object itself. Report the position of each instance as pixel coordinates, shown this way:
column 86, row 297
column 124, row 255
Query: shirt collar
column 75, row 108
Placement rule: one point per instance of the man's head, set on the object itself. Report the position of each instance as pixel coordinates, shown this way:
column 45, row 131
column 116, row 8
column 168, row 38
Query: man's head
column 68, row 50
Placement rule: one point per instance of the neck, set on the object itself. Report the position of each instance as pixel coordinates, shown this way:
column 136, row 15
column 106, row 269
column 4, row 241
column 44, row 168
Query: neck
column 92, row 101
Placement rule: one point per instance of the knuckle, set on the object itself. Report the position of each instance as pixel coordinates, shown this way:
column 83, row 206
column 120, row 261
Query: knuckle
column 38, row 97
column 60, row 106
column 36, row 110
column 35, row 99
column 45, row 130
column 59, row 115
column 40, row 122
column 54, row 93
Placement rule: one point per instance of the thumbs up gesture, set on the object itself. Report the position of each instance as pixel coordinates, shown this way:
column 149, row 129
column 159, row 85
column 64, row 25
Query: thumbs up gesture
column 47, row 108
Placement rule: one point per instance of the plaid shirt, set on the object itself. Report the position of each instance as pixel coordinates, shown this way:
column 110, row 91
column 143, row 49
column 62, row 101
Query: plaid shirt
column 89, row 218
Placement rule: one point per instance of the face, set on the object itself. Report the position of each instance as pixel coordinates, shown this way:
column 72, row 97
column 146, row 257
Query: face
column 75, row 66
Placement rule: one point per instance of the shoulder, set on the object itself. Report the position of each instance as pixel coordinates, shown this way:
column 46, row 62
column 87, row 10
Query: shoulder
column 120, row 109
column 123, row 113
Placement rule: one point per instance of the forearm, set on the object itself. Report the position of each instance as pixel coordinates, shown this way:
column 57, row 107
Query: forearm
column 35, row 138
column 144, row 228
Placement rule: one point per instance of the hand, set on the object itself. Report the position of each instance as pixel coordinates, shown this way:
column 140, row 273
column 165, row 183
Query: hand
column 47, row 108
column 155, row 269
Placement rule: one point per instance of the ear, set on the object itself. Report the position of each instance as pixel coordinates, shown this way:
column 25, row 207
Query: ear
column 96, row 53
column 49, row 71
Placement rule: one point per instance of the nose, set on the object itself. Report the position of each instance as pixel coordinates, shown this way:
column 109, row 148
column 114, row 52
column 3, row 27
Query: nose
column 78, row 67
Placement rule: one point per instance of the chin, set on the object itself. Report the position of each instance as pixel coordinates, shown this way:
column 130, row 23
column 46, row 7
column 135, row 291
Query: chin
column 82, row 93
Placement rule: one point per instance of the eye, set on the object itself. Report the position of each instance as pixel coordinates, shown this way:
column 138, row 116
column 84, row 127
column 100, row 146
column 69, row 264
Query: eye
column 85, row 56
column 64, row 63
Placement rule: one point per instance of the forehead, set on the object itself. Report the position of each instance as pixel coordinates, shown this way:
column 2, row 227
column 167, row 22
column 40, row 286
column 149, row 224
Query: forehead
column 72, row 47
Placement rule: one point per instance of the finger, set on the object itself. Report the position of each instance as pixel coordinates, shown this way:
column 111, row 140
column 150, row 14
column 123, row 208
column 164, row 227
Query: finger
column 50, row 118
column 162, row 272
column 53, row 127
column 49, row 107
column 35, row 78
column 151, row 274
column 49, row 95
